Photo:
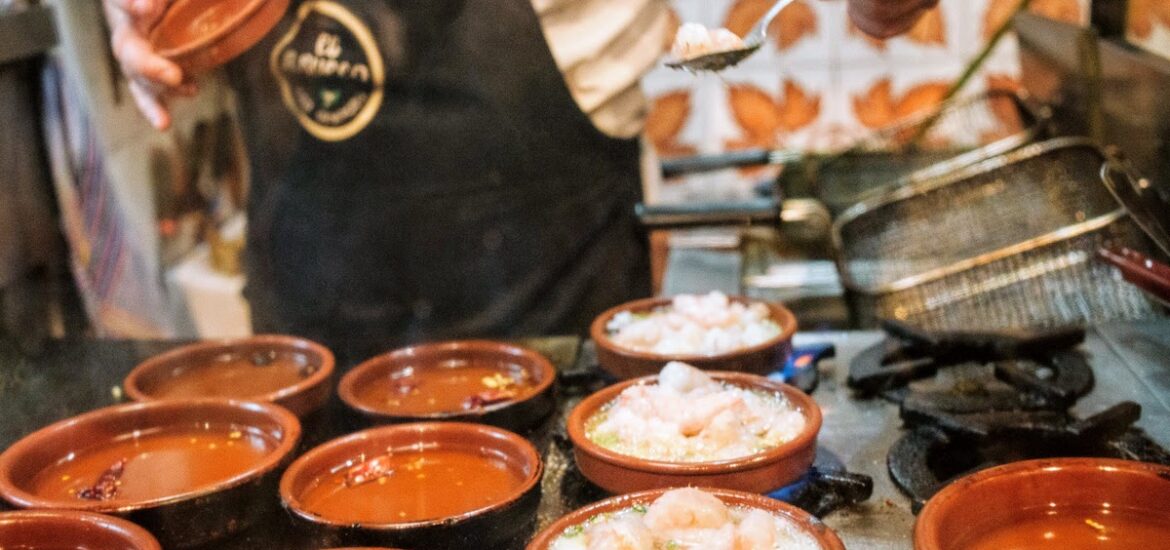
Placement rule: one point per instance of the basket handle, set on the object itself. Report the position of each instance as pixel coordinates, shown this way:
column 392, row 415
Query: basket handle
column 1141, row 270
column 1132, row 191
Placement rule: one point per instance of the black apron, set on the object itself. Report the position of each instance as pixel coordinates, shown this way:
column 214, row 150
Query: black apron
column 420, row 171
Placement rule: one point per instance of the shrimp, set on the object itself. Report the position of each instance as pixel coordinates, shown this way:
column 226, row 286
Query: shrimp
column 723, row 431
column 705, row 408
column 757, row 531
column 622, row 533
column 689, row 508
column 682, row 377
column 722, row 538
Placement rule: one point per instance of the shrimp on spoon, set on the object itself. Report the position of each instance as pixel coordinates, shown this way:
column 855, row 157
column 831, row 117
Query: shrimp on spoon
column 695, row 49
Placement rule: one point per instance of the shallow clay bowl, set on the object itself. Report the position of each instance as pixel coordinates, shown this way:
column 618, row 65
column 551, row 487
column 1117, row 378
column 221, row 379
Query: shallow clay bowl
column 364, row 389
column 488, row 523
column 289, row 371
column 200, row 35
column 174, row 482
column 68, row 529
column 804, row 521
column 762, row 472
column 626, row 363
column 1051, row 503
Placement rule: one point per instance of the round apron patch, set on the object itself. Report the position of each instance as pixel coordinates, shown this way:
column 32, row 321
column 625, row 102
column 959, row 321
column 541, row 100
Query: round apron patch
column 330, row 71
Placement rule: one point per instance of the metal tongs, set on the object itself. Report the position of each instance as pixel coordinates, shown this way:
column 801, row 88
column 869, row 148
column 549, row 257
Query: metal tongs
column 717, row 61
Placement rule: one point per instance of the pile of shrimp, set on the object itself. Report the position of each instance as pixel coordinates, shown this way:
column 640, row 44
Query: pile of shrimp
column 684, row 519
column 694, row 39
column 689, row 417
column 694, row 324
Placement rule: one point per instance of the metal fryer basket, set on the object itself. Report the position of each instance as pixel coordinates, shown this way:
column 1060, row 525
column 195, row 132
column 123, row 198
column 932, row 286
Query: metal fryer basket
column 1008, row 243
column 961, row 133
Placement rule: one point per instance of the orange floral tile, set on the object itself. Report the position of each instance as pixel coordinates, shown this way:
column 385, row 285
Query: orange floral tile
column 764, row 120
column 665, row 121
column 794, row 22
column 999, row 11
column 763, row 117
column 1144, row 14
column 1004, row 109
column 878, row 107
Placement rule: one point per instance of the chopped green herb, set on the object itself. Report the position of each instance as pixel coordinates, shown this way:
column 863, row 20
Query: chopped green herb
column 639, row 508
column 608, row 439
column 573, row 531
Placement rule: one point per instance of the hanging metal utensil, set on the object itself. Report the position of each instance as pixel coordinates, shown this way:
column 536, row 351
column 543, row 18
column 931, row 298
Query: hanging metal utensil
column 802, row 219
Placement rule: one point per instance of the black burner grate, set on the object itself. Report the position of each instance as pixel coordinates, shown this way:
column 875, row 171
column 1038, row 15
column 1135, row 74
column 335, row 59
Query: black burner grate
column 975, row 400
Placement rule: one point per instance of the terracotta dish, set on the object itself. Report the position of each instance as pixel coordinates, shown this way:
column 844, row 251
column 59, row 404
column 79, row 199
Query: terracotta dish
column 200, row 35
column 428, row 485
column 1062, row 503
column 473, row 381
column 189, row 471
column 67, row 529
column 289, row 371
column 758, row 473
column 625, row 363
column 803, row 520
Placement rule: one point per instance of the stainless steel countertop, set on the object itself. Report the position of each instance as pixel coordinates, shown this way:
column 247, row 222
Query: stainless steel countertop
column 1131, row 361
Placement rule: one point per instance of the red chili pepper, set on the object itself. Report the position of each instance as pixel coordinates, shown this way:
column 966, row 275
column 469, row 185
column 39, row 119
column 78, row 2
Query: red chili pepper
column 106, row 486
column 374, row 468
column 487, row 397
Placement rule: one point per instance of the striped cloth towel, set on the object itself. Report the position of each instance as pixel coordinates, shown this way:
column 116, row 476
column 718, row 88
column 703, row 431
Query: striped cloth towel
column 123, row 296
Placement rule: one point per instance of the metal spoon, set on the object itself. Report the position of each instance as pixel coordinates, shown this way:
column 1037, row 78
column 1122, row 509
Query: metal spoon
column 717, row 61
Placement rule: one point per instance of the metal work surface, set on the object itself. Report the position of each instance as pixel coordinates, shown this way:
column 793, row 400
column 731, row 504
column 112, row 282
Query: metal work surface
column 1131, row 362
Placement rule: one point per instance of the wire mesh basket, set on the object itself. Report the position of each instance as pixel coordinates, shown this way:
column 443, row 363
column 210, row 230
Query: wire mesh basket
column 1008, row 243
column 959, row 134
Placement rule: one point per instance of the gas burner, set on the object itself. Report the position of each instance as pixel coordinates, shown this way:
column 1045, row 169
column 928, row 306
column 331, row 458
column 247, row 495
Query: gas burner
column 800, row 370
column 826, row 487
column 943, row 446
column 976, row 371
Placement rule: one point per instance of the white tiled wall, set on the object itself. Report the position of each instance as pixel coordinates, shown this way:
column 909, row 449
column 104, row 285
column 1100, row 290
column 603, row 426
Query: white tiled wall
column 1149, row 25
column 845, row 83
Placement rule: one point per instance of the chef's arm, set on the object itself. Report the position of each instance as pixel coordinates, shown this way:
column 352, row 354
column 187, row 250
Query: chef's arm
column 152, row 77
column 886, row 18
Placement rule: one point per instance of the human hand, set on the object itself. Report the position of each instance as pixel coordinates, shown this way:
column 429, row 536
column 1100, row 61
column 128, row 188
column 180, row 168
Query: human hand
column 152, row 77
column 886, row 18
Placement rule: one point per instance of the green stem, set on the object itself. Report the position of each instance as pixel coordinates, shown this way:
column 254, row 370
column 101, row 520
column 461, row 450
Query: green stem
column 970, row 71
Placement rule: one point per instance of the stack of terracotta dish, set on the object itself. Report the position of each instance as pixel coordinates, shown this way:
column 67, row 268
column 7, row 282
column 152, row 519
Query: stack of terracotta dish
column 198, row 458
column 463, row 482
column 1051, row 503
column 738, row 481
column 71, row 529
column 625, row 362
column 286, row 370
column 419, row 485
column 478, row 381
column 200, row 35
column 437, row 469
column 189, row 471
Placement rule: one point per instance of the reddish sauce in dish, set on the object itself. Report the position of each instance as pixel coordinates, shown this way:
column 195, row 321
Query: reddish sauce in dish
column 405, row 487
column 154, row 464
column 456, row 385
column 1073, row 528
column 241, row 375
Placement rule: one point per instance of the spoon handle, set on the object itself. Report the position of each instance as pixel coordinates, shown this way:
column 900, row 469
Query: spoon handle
column 760, row 30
